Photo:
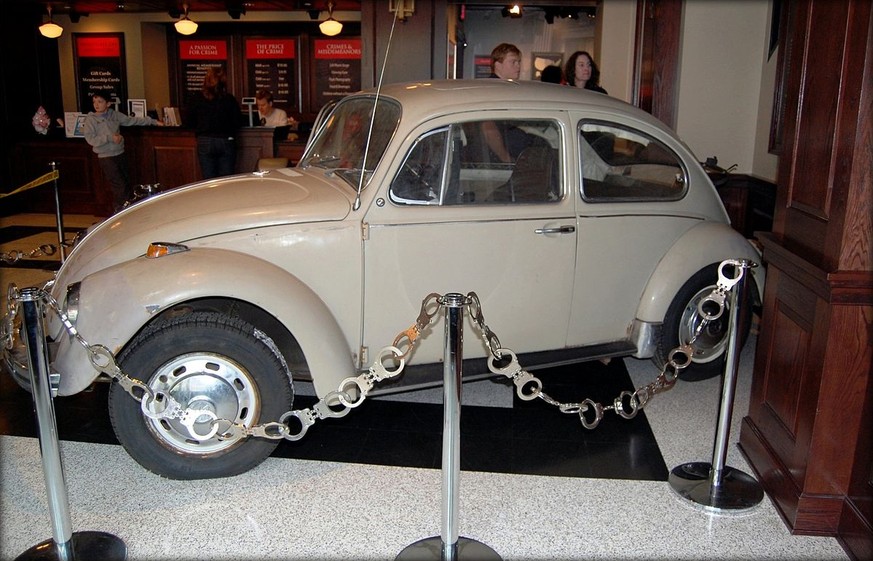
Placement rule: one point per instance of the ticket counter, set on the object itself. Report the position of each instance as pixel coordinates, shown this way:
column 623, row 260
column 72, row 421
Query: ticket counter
column 165, row 155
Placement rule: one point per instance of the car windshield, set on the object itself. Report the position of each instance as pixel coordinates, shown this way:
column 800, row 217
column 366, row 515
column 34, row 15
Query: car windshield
column 343, row 136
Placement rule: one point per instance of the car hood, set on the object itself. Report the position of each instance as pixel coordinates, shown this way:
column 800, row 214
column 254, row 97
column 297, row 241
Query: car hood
column 199, row 210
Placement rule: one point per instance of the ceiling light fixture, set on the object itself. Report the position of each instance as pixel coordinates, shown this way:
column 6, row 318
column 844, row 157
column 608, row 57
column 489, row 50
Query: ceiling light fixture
column 330, row 26
column 401, row 9
column 185, row 26
column 513, row 11
column 236, row 9
column 50, row 29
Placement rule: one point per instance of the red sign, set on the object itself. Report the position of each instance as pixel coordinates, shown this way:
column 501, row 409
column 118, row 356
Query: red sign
column 337, row 68
column 338, row 48
column 203, row 50
column 270, row 48
column 98, row 47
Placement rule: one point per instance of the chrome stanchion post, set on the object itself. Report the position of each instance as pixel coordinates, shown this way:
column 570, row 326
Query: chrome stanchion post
column 59, row 216
column 451, row 466
column 448, row 546
column 65, row 545
column 715, row 486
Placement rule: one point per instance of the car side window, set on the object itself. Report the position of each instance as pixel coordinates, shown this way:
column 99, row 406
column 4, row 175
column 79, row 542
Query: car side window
column 421, row 176
column 622, row 164
column 460, row 165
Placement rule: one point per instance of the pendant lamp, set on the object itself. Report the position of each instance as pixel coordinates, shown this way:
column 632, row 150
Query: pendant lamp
column 185, row 26
column 50, row 29
column 330, row 26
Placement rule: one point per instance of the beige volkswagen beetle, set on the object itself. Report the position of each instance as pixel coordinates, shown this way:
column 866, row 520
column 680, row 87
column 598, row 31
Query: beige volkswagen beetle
column 585, row 226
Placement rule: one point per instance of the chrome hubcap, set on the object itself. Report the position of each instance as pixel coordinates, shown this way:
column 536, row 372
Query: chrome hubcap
column 204, row 382
column 712, row 341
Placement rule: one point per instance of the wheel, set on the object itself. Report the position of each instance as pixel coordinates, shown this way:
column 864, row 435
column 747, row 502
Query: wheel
column 682, row 320
column 208, row 361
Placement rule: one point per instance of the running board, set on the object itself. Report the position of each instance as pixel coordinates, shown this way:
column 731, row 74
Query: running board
column 420, row 376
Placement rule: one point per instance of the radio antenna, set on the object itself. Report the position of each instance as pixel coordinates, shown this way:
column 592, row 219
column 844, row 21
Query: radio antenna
column 357, row 204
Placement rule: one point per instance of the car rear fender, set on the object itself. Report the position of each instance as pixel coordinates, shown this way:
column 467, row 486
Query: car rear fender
column 116, row 302
column 702, row 245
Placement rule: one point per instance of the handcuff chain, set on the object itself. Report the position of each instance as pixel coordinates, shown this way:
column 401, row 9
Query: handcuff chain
column 339, row 403
column 15, row 255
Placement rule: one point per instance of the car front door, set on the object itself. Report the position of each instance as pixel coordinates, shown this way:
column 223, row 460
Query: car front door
column 457, row 218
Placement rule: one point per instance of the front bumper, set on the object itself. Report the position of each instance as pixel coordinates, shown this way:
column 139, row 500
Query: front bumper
column 14, row 360
column 14, row 355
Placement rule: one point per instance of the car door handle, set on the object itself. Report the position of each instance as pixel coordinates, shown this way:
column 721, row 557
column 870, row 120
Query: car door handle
column 556, row 230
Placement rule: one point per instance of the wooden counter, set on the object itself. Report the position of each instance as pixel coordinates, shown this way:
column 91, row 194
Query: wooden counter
column 291, row 149
column 168, row 155
column 165, row 155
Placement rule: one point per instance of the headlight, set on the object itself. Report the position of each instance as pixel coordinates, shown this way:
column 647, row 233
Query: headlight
column 71, row 304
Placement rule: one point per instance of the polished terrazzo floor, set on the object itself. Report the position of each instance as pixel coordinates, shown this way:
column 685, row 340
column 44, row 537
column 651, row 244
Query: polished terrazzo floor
column 571, row 494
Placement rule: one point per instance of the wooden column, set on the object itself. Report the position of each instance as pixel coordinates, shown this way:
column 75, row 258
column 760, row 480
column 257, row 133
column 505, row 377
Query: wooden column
column 809, row 414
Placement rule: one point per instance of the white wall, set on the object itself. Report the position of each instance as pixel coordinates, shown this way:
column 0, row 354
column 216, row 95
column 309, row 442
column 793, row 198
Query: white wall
column 616, row 61
column 487, row 28
column 765, row 165
column 722, row 83
column 726, row 81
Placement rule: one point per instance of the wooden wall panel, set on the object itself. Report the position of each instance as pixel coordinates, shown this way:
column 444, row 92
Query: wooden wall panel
column 175, row 165
column 812, row 368
column 812, row 195
column 821, row 131
column 168, row 155
column 809, row 417
column 781, row 396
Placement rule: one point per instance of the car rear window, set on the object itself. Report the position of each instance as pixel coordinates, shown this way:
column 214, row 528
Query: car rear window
column 621, row 164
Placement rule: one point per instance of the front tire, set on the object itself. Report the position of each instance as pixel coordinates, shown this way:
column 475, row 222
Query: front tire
column 209, row 361
column 681, row 322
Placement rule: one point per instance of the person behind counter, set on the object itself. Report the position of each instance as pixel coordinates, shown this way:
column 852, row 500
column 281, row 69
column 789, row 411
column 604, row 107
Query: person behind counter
column 270, row 116
column 216, row 116
column 102, row 130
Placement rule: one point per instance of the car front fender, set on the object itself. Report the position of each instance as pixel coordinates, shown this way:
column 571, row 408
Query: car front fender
column 116, row 302
column 705, row 244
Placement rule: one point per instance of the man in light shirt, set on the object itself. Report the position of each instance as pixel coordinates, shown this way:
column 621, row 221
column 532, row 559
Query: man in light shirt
column 270, row 116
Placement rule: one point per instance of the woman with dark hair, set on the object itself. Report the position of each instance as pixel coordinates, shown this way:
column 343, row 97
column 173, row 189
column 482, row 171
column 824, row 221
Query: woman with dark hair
column 582, row 72
column 215, row 116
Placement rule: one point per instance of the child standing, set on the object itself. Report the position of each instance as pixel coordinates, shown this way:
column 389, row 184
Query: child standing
column 102, row 131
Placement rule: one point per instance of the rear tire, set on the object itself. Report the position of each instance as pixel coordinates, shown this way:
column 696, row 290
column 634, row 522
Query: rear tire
column 209, row 361
column 682, row 319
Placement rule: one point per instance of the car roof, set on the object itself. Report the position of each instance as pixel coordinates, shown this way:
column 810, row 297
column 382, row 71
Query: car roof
column 425, row 99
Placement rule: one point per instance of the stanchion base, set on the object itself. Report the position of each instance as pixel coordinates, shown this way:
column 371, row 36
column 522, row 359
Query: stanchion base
column 432, row 549
column 82, row 545
column 738, row 490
